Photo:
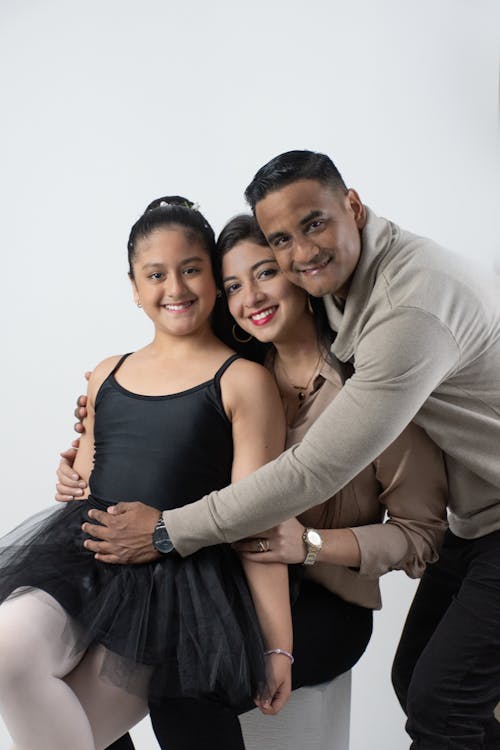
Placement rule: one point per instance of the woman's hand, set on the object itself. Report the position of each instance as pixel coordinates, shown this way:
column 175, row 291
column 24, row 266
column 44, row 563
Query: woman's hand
column 80, row 413
column 282, row 543
column 278, row 684
column 81, row 409
column 70, row 486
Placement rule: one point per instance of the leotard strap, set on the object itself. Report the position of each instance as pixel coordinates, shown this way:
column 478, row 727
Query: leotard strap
column 119, row 363
column 222, row 369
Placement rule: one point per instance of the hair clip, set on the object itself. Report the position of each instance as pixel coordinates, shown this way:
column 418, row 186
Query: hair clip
column 185, row 204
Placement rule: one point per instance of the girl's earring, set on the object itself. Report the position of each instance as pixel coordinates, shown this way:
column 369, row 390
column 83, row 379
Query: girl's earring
column 238, row 338
column 139, row 303
column 309, row 305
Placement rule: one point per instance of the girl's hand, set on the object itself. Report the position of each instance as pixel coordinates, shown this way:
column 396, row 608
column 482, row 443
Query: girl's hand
column 282, row 543
column 278, row 684
column 70, row 485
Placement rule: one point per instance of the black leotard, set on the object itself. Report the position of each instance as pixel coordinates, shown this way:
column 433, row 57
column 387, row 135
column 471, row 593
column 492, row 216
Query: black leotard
column 193, row 618
column 163, row 450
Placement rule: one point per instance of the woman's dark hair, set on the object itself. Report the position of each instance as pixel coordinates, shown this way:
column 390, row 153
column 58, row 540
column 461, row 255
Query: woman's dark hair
column 166, row 211
column 243, row 228
column 290, row 167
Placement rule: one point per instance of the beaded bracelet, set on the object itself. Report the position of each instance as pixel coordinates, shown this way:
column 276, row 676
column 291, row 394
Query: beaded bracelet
column 280, row 651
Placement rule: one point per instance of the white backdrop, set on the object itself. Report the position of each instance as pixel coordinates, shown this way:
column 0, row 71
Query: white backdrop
column 109, row 103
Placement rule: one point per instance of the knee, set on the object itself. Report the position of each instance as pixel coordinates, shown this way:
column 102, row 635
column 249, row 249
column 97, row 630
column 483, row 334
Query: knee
column 16, row 664
column 15, row 671
column 400, row 682
column 426, row 708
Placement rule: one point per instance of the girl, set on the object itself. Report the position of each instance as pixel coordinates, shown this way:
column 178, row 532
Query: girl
column 332, row 615
column 83, row 645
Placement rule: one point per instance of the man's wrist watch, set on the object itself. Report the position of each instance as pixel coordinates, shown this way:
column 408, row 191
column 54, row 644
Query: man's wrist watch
column 313, row 542
column 161, row 539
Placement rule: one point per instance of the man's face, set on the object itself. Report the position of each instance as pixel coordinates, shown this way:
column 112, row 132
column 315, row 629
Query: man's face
column 314, row 232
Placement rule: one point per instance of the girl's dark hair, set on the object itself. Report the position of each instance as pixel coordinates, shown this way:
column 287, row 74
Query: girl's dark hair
column 243, row 228
column 166, row 211
column 175, row 210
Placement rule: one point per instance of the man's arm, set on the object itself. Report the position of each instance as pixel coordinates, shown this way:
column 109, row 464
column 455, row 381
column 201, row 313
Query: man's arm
column 398, row 365
column 411, row 478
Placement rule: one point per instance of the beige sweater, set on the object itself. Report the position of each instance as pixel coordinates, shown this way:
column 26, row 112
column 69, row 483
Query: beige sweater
column 423, row 332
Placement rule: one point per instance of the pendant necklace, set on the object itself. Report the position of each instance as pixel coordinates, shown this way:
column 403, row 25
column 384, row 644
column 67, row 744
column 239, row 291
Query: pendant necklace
column 301, row 389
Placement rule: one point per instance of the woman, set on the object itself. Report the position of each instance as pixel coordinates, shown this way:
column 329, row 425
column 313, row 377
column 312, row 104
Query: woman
column 276, row 322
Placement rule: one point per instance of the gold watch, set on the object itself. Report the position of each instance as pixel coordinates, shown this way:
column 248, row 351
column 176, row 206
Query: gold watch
column 313, row 542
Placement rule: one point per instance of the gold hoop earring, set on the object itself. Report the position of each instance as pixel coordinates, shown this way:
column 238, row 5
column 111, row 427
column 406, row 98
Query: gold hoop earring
column 309, row 305
column 240, row 340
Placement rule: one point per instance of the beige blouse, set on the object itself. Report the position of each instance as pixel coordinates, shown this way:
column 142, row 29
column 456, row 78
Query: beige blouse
column 396, row 507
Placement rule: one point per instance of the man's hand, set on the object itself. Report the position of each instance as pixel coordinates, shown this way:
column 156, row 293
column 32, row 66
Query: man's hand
column 70, row 485
column 283, row 544
column 123, row 534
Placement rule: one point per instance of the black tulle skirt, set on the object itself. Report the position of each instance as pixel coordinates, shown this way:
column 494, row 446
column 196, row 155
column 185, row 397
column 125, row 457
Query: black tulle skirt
column 189, row 623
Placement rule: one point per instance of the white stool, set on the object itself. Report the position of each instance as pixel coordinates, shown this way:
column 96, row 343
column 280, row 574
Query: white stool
column 315, row 718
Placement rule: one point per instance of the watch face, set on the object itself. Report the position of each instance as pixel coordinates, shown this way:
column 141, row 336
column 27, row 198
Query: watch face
column 314, row 538
column 162, row 541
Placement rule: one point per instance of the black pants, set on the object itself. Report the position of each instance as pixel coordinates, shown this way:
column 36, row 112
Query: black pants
column 329, row 636
column 446, row 672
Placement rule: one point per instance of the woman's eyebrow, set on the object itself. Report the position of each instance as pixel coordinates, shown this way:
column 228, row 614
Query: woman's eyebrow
column 252, row 268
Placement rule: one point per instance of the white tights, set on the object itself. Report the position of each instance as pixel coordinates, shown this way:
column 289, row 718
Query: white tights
column 52, row 698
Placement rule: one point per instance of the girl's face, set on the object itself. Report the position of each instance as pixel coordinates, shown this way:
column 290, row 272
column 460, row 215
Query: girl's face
column 173, row 281
column 260, row 298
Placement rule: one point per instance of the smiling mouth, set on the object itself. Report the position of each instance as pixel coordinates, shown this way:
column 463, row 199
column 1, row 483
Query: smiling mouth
column 179, row 307
column 262, row 317
column 313, row 270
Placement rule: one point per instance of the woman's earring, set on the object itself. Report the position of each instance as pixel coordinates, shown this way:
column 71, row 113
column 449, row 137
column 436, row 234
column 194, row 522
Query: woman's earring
column 309, row 305
column 139, row 303
column 239, row 339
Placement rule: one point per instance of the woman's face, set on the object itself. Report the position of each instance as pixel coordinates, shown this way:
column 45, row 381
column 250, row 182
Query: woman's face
column 260, row 298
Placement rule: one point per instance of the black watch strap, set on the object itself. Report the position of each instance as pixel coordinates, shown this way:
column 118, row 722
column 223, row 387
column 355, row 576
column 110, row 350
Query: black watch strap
column 161, row 540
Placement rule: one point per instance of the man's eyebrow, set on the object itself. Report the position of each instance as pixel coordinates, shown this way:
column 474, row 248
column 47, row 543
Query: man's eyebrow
column 310, row 216
column 252, row 268
column 314, row 214
column 274, row 236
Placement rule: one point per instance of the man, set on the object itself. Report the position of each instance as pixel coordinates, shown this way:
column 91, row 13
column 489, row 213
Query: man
column 423, row 334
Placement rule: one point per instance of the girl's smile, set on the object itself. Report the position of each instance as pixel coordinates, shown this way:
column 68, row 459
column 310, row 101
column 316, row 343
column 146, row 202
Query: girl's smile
column 173, row 281
column 179, row 307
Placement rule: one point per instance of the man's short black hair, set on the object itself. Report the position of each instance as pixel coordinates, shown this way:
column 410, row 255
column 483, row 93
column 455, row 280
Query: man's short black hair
column 290, row 167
